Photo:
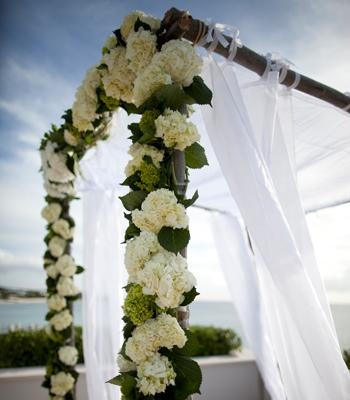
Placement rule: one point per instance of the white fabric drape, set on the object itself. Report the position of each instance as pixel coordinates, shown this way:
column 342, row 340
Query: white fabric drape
column 103, row 278
column 251, row 149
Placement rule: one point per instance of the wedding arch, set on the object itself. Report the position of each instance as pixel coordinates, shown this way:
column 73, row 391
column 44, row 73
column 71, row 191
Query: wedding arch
column 148, row 69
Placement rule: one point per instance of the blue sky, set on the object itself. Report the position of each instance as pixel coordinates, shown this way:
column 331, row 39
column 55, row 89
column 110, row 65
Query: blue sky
column 46, row 47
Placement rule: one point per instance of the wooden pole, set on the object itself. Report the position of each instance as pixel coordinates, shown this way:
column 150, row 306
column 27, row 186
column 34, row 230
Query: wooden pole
column 180, row 24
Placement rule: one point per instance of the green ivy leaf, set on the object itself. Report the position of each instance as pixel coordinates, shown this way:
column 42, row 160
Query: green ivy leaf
column 133, row 199
column 199, row 91
column 132, row 181
column 139, row 24
column 80, row 269
column 120, row 39
column 130, row 108
column 136, row 132
column 188, row 202
column 173, row 240
column 191, row 347
column 168, row 96
column 127, row 383
column 190, row 296
column 131, row 232
column 195, row 156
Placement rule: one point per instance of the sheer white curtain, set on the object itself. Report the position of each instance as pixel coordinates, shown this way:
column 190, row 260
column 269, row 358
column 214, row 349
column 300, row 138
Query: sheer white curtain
column 255, row 156
column 103, row 278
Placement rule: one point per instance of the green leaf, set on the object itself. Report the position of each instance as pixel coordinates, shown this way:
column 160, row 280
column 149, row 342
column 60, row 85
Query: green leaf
column 139, row 24
column 132, row 181
column 80, row 269
column 199, row 91
column 188, row 202
column 191, row 347
column 146, row 137
column 127, row 383
column 136, row 132
column 131, row 232
column 195, row 156
column 130, row 108
column 173, row 240
column 102, row 66
column 133, row 200
column 168, row 96
column 189, row 296
column 120, row 39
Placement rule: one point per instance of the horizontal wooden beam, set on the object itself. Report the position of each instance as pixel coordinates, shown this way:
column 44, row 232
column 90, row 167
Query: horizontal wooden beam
column 178, row 23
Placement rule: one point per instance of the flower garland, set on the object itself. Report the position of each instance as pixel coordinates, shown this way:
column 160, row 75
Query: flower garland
column 160, row 82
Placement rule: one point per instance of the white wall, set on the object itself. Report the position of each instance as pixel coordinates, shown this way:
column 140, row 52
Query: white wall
column 224, row 378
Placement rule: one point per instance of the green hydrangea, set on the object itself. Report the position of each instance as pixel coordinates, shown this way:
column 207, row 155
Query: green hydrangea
column 149, row 176
column 147, row 125
column 138, row 306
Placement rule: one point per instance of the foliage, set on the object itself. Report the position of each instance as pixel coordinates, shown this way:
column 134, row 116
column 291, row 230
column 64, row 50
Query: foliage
column 30, row 348
column 346, row 355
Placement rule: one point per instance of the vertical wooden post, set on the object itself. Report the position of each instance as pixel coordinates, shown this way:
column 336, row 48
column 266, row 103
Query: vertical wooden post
column 183, row 313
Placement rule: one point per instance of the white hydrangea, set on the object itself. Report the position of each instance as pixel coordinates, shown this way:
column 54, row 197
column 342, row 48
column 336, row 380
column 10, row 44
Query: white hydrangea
column 166, row 276
column 138, row 151
column 148, row 81
column 124, row 364
column 56, row 302
column 118, row 78
column 70, row 138
column 179, row 59
column 85, row 104
column 65, row 265
column 155, row 374
column 140, row 48
column 61, row 321
column 146, row 339
column 61, row 383
column 51, row 271
column 57, row 246
column 175, row 130
column 68, row 355
column 138, row 251
column 62, row 228
column 110, row 42
column 65, row 287
column 54, row 164
column 129, row 22
column 59, row 190
column 160, row 208
column 51, row 212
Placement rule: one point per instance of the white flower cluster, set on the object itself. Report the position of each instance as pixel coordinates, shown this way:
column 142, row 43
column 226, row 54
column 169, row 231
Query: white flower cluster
column 61, row 320
column 138, row 151
column 65, row 287
column 65, row 265
column 118, row 78
column 155, row 374
column 175, row 130
column 56, row 302
column 85, row 104
column 177, row 62
column 146, row 339
column 138, row 251
column 128, row 23
column 62, row 228
column 68, row 355
column 58, row 179
column 61, row 383
column 70, row 138
column 51, row 212
column 57, row 246
column 166, row 276
column 160, row 208
column 140, row 48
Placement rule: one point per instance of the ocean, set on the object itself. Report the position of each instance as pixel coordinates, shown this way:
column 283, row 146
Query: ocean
column 220, row 314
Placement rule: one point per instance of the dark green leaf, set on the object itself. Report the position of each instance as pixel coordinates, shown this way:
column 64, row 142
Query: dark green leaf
column 120, row 39
column 191, row 347
column 130, row 108
column 188, row 202
column 195, row 156
column 190, row 296
column 139, row 24
column 136, row 132
column 173, row 240
column 132, row 181
column 168, row 96
column 133, row 200
column 131, row 232
column 199, row 91
column 80, row 269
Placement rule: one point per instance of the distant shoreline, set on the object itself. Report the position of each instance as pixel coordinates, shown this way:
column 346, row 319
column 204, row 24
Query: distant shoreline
column 23, row 300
